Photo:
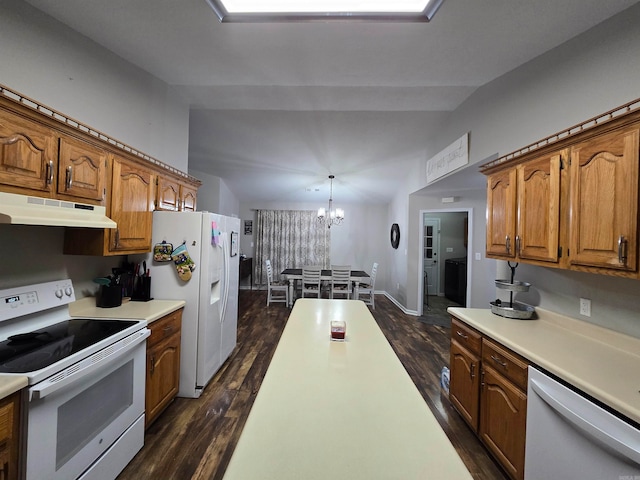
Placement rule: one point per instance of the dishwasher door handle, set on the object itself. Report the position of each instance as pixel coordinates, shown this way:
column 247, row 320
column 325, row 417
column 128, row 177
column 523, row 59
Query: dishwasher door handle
column 590, row 427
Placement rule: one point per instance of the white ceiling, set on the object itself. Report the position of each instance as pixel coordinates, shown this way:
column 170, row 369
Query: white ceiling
column 278, row 107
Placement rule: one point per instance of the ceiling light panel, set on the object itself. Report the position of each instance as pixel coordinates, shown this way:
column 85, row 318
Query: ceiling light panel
column 310, row 10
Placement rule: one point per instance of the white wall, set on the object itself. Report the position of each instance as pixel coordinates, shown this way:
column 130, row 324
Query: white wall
column 586, row 76
column 50, row 63
column 215, row 196
column 41, row 58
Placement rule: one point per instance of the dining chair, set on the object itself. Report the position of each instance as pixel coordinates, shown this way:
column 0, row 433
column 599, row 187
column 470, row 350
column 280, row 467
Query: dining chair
column 311, row 280
column 340, row 281
column 276, row 291
column 368, row 289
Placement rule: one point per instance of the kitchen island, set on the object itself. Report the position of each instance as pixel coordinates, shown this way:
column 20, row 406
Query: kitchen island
column 340, row 410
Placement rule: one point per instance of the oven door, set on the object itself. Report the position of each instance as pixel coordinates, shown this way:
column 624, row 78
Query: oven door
column 76, row 415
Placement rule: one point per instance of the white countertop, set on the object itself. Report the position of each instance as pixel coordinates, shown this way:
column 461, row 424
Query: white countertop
column 340, row 410
column 149, row 311
column 602, row 363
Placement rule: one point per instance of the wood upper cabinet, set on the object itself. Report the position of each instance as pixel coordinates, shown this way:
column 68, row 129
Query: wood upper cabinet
column 28, row 154
column 523, row 210
column 174, row 195
column 501, row 213
column 604, row 201
column 163, row 365
column 538, row 225
column 82, row 170
column 131, row 207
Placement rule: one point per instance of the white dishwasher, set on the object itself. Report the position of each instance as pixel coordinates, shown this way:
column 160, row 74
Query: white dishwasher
column 569, row 436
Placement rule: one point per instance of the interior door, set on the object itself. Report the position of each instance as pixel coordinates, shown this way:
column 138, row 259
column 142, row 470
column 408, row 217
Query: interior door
column 431, row 246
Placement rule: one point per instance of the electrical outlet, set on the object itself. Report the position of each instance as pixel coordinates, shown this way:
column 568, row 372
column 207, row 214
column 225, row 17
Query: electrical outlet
column 585, row 307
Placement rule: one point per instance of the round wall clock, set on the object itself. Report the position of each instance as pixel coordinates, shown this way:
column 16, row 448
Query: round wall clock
column 395, row 235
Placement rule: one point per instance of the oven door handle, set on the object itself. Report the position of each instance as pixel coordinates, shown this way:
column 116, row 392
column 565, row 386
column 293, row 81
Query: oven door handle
column 88, row 366
column 590, row 425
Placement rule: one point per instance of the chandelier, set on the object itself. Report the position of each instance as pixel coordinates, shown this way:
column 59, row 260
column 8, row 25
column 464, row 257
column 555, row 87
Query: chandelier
column 333, row 217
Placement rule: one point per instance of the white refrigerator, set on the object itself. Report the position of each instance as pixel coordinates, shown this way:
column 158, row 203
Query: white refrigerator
column 210, row 316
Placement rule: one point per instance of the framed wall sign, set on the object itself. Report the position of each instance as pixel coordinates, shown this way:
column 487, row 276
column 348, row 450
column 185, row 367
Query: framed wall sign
column 248, row 227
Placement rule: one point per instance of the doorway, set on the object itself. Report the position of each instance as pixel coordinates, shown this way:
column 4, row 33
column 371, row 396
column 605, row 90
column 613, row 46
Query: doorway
column 445, row 239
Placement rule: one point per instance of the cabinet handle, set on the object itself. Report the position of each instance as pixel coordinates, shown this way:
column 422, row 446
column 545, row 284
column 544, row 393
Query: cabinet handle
column 117, row 237
column 499, row 361
column 518, row 244
column 69, row 179
column 482, row 378
column 473, row 370
column 153, row 364
column 507, row 242
column 622, row 249
column 460, row 334
column 167, row 329
column 49, row 172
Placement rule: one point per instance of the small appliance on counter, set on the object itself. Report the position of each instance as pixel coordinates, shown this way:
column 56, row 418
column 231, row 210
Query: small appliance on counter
column 517, row 310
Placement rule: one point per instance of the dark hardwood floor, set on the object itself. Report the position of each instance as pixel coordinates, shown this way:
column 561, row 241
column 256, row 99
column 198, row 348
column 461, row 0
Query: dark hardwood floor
column 195, row 438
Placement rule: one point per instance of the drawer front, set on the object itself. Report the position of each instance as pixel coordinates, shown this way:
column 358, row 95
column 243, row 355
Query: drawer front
column 465, row 336
column 506, row 362
column 164, row 327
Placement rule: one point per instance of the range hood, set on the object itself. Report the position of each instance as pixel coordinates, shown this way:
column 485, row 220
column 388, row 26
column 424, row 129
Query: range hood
column 27, row 210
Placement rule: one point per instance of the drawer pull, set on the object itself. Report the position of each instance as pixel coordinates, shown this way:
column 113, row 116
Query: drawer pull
column 460, row 334
column 499, row 361
column 167, row 329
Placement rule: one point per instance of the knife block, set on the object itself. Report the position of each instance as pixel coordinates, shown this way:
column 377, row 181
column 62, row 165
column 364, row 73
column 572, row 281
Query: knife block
column 141, row 289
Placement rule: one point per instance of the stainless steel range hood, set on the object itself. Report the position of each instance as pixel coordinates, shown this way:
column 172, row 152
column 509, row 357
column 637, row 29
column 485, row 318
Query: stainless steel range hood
column 26, row 210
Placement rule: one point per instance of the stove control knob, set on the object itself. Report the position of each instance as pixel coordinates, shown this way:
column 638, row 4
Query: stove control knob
column 59, row 293
column 68, row 291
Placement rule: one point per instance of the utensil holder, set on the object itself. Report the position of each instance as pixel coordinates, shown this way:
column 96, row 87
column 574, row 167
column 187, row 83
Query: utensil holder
column 109, row 296
column 141, row 289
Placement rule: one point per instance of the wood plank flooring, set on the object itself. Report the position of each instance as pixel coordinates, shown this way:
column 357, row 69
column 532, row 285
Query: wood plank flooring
column 194, row 438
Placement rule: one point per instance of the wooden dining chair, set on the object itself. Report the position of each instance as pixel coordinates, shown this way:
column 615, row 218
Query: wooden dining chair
column 340, row 281
column 277, row 292
column 368, row 289
column 311, row 280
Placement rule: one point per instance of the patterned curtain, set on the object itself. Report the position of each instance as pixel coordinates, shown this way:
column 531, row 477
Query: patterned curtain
column 290, row 239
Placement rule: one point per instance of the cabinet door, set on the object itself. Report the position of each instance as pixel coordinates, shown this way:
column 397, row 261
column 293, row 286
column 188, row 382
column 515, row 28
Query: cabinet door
column 188, row 195
column 131, row 207
column 28, row 153
column 163, row 376
column 604, row 201
column 464, row 384
column 503, row 419
column 539, row 209
column 168, row 197
column 82, row 170
column 501, row 209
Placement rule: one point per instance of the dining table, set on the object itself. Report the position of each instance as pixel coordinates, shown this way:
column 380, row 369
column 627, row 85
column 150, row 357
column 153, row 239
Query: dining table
column 340, row 410
column 294, row 274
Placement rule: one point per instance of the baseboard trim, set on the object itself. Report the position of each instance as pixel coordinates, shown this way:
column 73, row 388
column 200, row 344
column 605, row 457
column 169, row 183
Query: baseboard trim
column 399, row 305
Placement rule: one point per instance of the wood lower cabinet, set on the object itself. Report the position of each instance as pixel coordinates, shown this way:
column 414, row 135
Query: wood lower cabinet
column 163, row 364
column 464, row 377
column 503, row 406
column 10, row 436
column 487, row 387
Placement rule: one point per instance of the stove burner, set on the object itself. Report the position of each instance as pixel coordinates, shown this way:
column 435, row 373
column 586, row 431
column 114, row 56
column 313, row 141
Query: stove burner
column 31, row 351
